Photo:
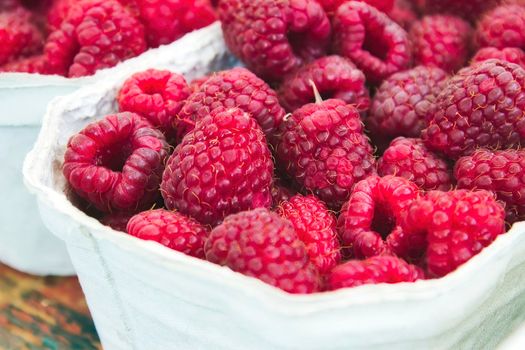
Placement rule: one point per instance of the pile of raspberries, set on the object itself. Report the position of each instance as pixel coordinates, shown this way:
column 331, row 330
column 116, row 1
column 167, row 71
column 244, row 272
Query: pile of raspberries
column 75, row 38
column 365, row 142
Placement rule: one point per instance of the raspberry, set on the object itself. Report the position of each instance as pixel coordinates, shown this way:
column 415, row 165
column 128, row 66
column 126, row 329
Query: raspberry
column 455, row 226
column 404, row 101
column 371, row 40
column 334, row 76
column 236, row 87
column 403, row 13
column 322, row 147
column 157, row 95
column 441, row 41
column 274, row 38
column 167, row 20
column 57, row 13
column 330, row 6
column 470, row 9
column 116, row 163
column 197, row 83
column 170, row 229
column 96, row 34
column 373, row 211
column 315, row 226
column 33, row 64
column 409, row 158
column 378, row 269
column 260, row 244
column 502, row 27
column 502, row 172
column 117, row 221
column 19, row 37
column 482, row 106
column 8, row 5
column 509, row 54
column 222, row 167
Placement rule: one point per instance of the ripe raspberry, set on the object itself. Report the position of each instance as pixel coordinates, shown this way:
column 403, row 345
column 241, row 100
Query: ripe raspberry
column 455, row 225
column 221, row 167
column 442, row 41
column 33, row 64
column 403, row 13
column 373, row 211
column 8, row 5
column 409, row 158
column 330, row 6
column 315, row 226
column 274, row 38
column 57, row 13
column 260, row 244
column 197, row 83
column 237, row 87
column 482, row 106
column 502, row 172
column 334, row 76
column 502, row 27
column 404, row 101
column 170, row 229
column 168, row 20
column 370, row 39
column 378, row 269
column 322, row 147
column 509, row 54
column 157, row 95
column 117, row 221
column 19, row 37
column 96, row 34
column 470, row 9
column 116, row 163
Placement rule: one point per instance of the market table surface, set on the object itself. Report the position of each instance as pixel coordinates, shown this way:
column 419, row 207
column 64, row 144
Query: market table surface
column 47, row 313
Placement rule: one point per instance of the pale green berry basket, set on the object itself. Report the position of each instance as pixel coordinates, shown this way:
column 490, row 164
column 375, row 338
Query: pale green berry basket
column 25, row 243
column 143, row 295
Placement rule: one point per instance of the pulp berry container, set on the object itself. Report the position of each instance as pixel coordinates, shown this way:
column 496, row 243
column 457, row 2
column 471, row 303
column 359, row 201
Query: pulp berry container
column 143, row 295
column 25, row 244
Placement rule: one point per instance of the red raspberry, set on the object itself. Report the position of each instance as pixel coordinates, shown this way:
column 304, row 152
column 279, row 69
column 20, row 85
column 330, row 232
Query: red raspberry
column 502, row 27
column 403, row 13
column 170, row 229
column 116, row 163
column 502, row 172
column 409, row 158
column 315, row 226
column 237, row 87
column 404, row 101
column 117, row 221
column 19, row 37
column 57, row 13
column 509, row 54
column 482, row 106
column 373, row 211
column 376, row 44
column 454, row 225
column 260, row 244
column 96, row 34
column 168, row 20
column 470, row 9
column 8, row 5
column 378, row 269
column 197, row 83
column 221, row 167
column 323, row 148
column 441, row 41
column 330, row 6
column 157, row 95
column 334, row 76
column 33, row 64
column 274, row 38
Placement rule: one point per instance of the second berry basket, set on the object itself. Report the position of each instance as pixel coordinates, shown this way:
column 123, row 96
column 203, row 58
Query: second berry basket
column 145, row 296
column 24, row 98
